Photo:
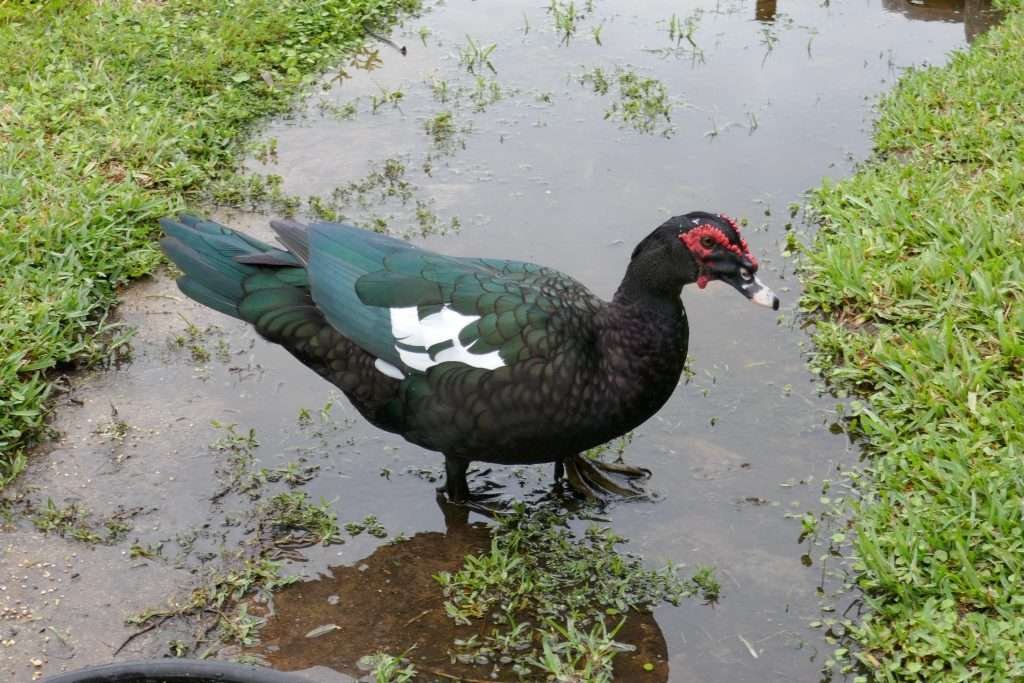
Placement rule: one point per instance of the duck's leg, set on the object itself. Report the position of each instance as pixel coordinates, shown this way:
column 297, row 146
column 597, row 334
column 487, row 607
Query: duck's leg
column 456, row 489
column 590, row 478
column 455, row 485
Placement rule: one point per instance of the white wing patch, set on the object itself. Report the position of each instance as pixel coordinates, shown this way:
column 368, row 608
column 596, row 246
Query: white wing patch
column 444, row 326
column 388, row 369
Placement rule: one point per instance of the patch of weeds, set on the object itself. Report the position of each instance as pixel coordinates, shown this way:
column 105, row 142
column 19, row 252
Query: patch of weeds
column 255, row 190
column 239, row 448
column 148, row 552
column 684, row 30
column 705, row 581
column 254, row 578
column 440, row 90
column 64, row 521
column 387, row 668
column 292, row 474
column 567, row 17
column 8, row 514
column 392, row 97
column 232, row 440
column 195, row 340
column 370, row 524
column 441, row 129
column 74, row 522
column 597, row 80
column 117, row 528
column 476, row 56
column 541, row 587
column 292, row 521
column 116, row 429
column 682, row 35
column 571, row 654
column 485, row 92
column 241, row 627
column 264, row 151
column 386, row 186
column 342, row 112
column 643, row 102
column 385, row 180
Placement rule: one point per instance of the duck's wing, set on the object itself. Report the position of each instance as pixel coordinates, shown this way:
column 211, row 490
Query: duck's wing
column 415, row 309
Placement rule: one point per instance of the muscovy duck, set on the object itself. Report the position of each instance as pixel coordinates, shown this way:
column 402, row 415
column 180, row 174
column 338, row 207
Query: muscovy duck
column 481, row 359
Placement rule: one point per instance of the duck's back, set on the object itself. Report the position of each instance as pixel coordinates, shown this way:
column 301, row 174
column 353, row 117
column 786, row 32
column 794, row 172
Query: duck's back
column 482, row 359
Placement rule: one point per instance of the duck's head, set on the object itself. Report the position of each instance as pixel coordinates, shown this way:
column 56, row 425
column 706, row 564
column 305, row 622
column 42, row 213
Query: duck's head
column 699, row 247
column 719, row 252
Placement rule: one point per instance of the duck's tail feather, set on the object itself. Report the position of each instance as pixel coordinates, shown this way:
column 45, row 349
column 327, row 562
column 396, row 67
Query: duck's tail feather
column 217, row 261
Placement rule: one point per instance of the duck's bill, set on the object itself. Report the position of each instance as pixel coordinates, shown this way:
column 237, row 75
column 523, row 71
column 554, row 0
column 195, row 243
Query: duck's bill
column 756, row 291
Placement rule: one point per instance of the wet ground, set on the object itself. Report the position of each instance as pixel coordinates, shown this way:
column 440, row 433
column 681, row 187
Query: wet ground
column 535, row 163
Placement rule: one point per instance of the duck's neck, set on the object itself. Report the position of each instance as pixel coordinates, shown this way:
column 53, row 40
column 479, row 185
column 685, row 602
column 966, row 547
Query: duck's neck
column 642, row 351
column 644, row 329
column 653, row 283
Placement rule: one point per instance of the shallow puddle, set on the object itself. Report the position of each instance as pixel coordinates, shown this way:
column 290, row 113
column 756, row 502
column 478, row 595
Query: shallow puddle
column 763, row 100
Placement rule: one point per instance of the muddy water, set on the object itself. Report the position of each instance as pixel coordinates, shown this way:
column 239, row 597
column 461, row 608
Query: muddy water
column 774, row 96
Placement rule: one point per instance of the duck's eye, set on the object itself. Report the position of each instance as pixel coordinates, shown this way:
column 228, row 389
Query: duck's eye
column 707, row 242
column 746, row 274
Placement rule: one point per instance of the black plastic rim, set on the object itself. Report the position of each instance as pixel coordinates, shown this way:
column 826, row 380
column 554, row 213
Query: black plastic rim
column 176, row 671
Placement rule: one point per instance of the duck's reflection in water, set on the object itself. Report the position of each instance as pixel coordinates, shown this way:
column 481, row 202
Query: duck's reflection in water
column 977, row 16
column 390, row 602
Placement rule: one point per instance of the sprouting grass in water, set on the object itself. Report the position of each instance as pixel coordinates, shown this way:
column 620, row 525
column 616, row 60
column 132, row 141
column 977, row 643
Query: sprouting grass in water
column 597, row 79
column 114, row 114
column 476, row 56
column 441, row 129
column 642, row 103
column 343, row 112
column 385, row 96
column 386, row 668
column 220, row 596
column 440, row 89
column 572, row 654
column 446, row 135
column 485, row 92
column 540, row 587
column 296, row 521
column 565, row 16
column 370, row 524
column 914, row 279
column 72, row 521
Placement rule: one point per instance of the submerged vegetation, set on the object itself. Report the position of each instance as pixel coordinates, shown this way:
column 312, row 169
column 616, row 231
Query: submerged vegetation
column 553, row 601
column 102, row 131
column 916, row 279
column 642, row 103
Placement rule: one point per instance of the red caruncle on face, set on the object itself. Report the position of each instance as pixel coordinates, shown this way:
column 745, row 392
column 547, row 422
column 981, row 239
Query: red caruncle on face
column 703, row 239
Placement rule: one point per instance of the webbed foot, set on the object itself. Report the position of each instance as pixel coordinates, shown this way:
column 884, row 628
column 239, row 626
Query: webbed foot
column 456, row 490
column 595, row 479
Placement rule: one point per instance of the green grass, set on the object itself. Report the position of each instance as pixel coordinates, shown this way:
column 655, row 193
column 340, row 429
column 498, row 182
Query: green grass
column 553, row 600
column 917, row 281
column 113, row 113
